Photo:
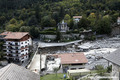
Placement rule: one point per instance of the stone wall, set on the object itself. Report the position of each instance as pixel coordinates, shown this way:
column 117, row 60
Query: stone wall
column 115, row 72
column 116, row 30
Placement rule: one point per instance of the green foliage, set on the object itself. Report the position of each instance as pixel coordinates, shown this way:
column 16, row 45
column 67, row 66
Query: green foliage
column 32, row 21
column 109, row 69
column 84, row 23
column 14, row 25
column 91, row 38
column 52, row 77
column 67, row 19
column 105, row 79
column 56, row 70
column 100, row 70
column 34, row 31
column 47, row 21
column 103, row 26
column 48, row 13
column 48, row 32
column 58, row 36
column 13, row 21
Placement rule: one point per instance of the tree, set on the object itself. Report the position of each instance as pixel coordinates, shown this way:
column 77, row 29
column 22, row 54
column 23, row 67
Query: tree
column 13, row 21
column 32, row 21
column 24, row 29
column 103, row 26
column 92, row 19
column 100, row 70
column 61, row 13
column 67, row 18
column 2, row 20
column 56, row 70
column 58, row 35
column 84, row 23
column 71, row 24
column 47, row 21
column 34, row 31
column 14, row 25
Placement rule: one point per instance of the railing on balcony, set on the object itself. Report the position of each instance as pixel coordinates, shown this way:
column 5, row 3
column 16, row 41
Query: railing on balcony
column 11, row 44
column 11, row 52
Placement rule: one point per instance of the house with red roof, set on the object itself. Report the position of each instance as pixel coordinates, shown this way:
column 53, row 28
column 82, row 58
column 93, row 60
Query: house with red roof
column 16, row 46
column 72, row 61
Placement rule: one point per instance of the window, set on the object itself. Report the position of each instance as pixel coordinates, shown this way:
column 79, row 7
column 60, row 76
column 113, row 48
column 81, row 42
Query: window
column 22, row 50
column 22, row 43
column 26, row 49
column 22, row 47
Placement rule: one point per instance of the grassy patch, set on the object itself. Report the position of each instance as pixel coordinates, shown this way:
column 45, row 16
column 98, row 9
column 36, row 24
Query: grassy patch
column 52, row 77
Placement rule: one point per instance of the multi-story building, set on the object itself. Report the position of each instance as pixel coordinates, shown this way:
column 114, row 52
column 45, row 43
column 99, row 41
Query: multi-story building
column 17, row 46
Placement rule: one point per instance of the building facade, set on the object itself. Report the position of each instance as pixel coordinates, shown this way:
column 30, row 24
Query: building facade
column 77, row 18
column 114, row 58
column 62, row 27
column 72, row 61
column 16, row 46
column 118, row 21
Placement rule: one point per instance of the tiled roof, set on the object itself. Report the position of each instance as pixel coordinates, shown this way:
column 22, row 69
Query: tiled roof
column 77, row 16
column 72, row 58
column 15, row 72
column 16, row 35
column 114, row 57
column 5, row 33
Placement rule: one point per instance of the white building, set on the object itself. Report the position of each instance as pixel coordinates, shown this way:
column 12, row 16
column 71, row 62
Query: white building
column 62, row 27
column 118, row 21
column 17, row 46
column 77, row 18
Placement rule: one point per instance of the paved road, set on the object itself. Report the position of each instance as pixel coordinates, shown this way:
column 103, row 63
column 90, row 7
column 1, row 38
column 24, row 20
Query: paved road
column 35, row 64
column 42, row 44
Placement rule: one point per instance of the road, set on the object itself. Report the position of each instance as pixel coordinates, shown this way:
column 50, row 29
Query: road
column 35, row 64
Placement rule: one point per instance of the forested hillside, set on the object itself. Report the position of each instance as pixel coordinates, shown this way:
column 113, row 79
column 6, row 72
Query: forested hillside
column 33, row 15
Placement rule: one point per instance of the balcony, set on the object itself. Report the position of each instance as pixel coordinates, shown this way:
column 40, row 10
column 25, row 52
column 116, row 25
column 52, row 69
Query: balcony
column 11, row 44
column 11, row 52
column 11, row 56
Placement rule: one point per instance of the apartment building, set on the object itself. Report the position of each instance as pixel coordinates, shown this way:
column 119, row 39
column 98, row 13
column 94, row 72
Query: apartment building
column 17, row 46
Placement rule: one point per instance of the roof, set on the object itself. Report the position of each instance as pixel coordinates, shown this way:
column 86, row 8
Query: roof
column 16, row 35
column 5, row 33
column 77, row 16
column 114, row 57
column 15, row 72
column 118, row 17
column 42, row 44
column 78, row 71
column 72, row 58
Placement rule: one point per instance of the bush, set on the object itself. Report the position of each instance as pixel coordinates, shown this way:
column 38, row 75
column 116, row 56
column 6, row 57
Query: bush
column 54, row 29
column 109, row 69
column 104, row 79
column 92, row 38
column 48, row 32
column 100, row 70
